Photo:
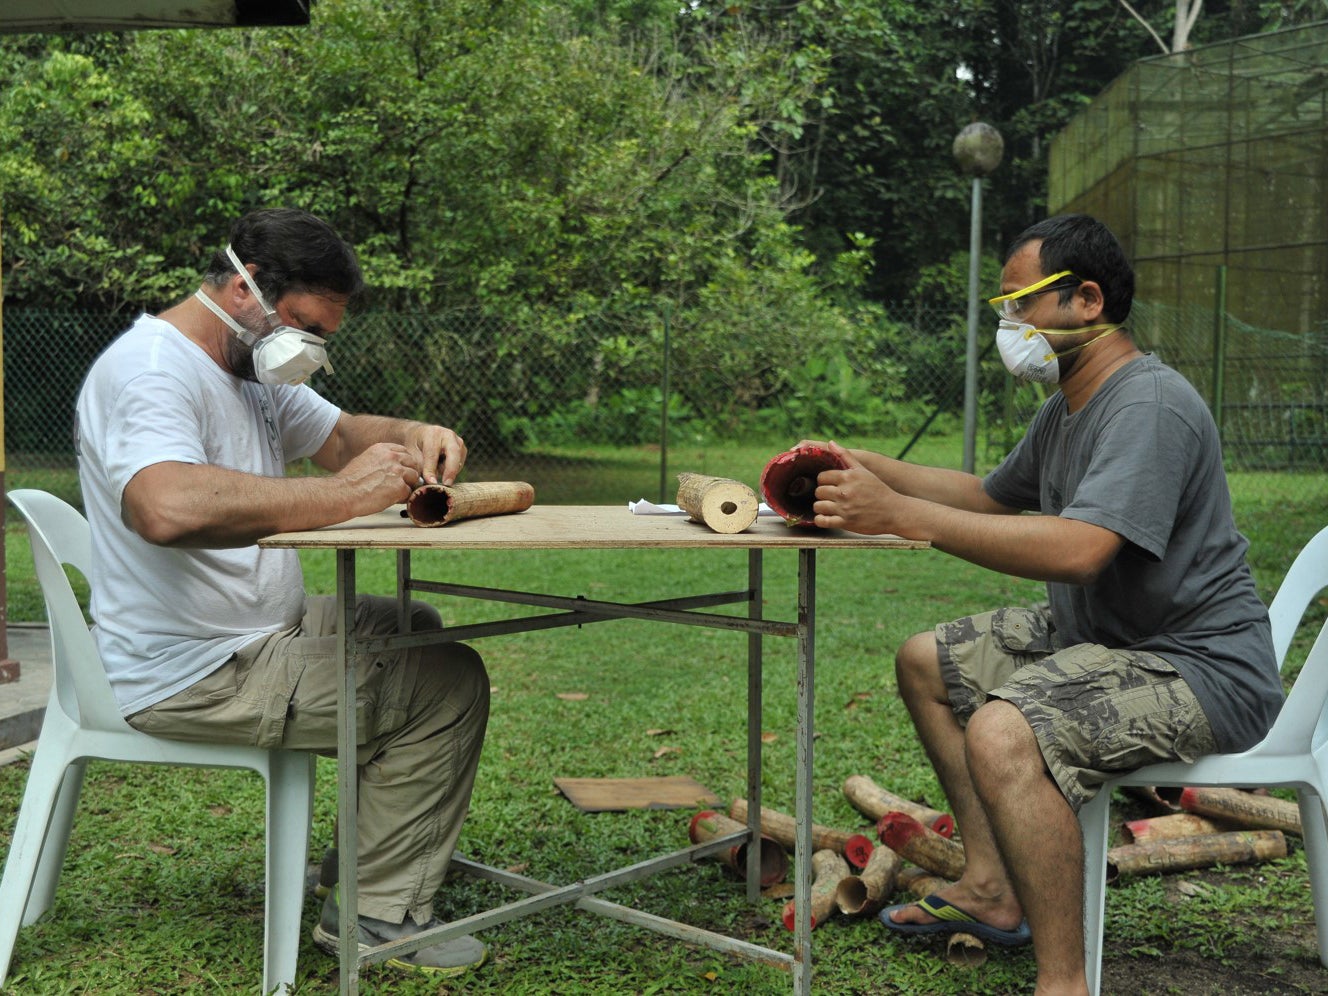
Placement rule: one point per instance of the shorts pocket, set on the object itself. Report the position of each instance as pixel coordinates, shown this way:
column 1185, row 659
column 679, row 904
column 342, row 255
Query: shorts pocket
column 1022, row 630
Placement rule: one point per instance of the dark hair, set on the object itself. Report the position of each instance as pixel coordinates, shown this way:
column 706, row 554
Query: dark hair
column 1086, row 248
column 293, row 251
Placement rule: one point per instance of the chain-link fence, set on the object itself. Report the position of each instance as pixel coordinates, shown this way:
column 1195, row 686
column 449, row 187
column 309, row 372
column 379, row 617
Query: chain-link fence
column 1211, row 167
column 1267, row 389
column 551, row 400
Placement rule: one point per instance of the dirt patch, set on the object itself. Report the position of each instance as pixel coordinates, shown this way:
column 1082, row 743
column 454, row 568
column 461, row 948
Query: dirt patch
column 1277, row 967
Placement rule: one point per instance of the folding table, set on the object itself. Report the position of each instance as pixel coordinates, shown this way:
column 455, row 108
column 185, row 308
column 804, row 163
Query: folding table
column 568, row 527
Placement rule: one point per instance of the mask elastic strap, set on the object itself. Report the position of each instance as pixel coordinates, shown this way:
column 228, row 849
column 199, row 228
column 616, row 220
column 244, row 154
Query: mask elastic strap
column 1106, row 331
column 247, row 337
column 243, row 271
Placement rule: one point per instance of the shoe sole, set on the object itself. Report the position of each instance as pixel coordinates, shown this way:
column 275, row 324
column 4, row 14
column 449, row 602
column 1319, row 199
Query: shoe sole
column 331, row 944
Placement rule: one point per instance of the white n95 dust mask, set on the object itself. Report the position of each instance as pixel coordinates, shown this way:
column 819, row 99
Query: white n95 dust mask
column 1028, row 355
column 286, row 355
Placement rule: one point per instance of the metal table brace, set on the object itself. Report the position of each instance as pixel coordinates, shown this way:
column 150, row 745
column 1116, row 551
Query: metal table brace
column 578, row 611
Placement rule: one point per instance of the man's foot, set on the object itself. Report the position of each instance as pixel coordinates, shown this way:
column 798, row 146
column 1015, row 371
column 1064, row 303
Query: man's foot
column 937, row 915
column 443, row 958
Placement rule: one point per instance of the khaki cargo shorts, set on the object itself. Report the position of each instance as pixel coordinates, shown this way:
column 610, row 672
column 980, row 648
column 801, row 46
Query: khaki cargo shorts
column 1095, row 711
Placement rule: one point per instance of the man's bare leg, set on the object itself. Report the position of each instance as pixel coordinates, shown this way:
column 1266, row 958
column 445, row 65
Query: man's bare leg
column 1038, row 837
column 984, row 890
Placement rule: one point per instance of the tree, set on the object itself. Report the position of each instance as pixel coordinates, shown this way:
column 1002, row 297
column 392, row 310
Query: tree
column 75, row 152
column 497, row 159
column 1186, row 13
column 866, row 160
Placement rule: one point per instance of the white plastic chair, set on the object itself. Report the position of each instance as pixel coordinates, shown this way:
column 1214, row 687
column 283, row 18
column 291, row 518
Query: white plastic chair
column 1294, row 754
column 82, row 722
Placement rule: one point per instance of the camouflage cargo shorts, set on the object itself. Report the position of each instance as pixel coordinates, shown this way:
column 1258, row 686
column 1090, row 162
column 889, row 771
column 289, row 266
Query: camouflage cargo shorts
column 1095, row 711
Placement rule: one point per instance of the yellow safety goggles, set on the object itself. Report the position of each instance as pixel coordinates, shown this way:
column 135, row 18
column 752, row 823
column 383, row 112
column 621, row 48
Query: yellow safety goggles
column 1015, row 305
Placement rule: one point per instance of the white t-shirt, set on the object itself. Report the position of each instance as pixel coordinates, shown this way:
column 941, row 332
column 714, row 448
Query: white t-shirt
column 167, row 617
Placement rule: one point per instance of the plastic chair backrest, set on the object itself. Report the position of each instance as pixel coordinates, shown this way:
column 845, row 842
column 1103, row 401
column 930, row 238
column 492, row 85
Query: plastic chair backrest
column 1307, row 576
column 1306, row 702
column 60, row 535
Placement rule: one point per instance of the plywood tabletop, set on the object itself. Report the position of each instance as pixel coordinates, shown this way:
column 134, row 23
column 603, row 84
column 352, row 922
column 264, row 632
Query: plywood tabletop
column 553, row 527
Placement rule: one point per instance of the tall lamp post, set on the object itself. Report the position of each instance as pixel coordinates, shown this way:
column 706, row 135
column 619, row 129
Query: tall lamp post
column 978, row 150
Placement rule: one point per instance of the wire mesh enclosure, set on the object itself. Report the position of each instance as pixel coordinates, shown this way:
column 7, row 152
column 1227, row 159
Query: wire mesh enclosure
column 1211, row 165
column 531, row 394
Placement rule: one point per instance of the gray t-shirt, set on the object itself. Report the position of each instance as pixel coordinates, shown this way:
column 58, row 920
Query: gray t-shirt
column 1143, row 459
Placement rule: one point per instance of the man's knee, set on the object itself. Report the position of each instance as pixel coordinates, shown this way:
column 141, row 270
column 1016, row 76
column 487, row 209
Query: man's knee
column 999, row 741
column 455, row 673
column 468, row 661
column 424, row 617
column 918, row 665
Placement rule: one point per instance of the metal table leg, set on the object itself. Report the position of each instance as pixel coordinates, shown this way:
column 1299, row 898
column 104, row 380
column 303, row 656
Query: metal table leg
column 802, row 855
column 754, row 685
column 348, row 647
column 347, row 786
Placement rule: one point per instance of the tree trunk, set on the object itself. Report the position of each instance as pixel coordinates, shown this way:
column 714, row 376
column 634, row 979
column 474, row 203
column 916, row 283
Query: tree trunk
column 708, row 824
column 872, row 801
column 1242, row 808
column 828, row 870
column 1169, row 827
column 1235, row 848
column 865, row 893
column 921, row 845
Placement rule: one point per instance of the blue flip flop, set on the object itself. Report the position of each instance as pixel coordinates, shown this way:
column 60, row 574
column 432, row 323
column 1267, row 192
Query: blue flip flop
column 950, row 919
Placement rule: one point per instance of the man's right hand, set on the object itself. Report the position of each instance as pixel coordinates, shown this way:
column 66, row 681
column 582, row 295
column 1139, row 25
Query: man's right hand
column 383, row 475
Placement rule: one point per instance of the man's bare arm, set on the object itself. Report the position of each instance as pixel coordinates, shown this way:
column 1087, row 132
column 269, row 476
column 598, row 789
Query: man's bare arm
column 1040, row 547
column 198, row 505
column 947, row 487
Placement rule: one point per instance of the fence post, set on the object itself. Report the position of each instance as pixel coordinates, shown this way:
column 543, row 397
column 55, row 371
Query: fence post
column 1220, row 348
column 971, row 351
column 7, row 667
column 664, row 409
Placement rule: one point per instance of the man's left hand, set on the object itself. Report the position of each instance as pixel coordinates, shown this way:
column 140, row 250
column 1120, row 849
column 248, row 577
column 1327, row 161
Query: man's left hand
column 441, row 451
column 855, row 499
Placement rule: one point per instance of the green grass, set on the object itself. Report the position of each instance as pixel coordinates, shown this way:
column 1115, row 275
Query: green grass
column 162, row 890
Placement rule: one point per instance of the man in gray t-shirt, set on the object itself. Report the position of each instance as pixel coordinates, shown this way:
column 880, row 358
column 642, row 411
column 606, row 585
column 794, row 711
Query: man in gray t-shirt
column 1142, row 459
column 1153, row 645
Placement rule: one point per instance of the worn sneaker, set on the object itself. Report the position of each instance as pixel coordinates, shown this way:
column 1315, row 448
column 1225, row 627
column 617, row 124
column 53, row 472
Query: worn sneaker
column 453, row 956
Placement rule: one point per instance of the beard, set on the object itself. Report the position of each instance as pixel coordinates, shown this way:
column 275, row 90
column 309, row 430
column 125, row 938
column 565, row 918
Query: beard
column 239, row 354
column 1068, row 361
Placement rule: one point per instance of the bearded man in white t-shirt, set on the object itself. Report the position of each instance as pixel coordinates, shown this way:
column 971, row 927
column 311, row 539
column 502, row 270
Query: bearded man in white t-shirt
column 185, row 425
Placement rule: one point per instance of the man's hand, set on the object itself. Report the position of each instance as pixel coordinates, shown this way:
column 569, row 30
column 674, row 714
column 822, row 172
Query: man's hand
column 856, row 499
column 382, row 475
column 436, row 453
column 441, row 453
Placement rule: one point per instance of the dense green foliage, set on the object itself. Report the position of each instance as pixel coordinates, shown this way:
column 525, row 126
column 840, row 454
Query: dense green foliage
column 496, row 162
column 749, row 161
column 538, row 190
column 478, row 155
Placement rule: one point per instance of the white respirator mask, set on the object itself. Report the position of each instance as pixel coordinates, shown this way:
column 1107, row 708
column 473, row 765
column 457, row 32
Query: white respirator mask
column 286, row 355
column 1028, row 355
